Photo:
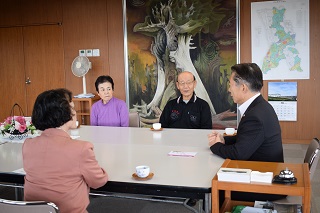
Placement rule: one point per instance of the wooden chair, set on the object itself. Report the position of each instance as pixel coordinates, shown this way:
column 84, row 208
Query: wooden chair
column 11, row 206
column 134, row 119
column 312, row 156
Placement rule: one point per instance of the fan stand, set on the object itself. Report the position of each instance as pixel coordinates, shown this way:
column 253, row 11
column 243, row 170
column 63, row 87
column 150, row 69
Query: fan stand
column 84, row 86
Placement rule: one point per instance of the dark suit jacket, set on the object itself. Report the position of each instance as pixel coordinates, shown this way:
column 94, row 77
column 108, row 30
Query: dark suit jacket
column 258, row 136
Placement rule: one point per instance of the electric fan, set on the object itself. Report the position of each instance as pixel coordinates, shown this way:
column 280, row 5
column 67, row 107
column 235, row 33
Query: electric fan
column 80, row 67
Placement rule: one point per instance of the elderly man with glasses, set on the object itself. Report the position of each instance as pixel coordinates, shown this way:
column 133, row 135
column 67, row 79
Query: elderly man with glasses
column 187, row 111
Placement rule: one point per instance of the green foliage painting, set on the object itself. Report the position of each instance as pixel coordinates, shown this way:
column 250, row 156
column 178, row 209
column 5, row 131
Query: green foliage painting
column 165, row 37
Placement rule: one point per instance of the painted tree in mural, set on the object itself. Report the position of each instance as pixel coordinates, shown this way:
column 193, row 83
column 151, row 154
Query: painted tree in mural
column 173, row 25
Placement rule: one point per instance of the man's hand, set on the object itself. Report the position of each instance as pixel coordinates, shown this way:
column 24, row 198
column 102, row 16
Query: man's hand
column 215, row 137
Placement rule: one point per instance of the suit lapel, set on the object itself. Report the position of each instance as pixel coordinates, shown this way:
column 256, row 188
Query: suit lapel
column 252, row 105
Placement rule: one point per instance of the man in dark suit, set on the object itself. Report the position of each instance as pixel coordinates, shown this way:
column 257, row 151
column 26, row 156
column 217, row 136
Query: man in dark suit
column 258, row 136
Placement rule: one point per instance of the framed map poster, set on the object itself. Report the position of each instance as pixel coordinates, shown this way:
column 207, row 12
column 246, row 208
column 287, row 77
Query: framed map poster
column 165, row 37
column 280, row 39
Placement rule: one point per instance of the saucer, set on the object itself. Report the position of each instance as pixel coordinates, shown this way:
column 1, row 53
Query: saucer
column 135, row 176
column 152, row 129
column 234, row 134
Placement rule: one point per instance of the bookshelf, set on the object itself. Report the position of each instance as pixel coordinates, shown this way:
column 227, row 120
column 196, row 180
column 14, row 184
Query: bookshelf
column 83, row 108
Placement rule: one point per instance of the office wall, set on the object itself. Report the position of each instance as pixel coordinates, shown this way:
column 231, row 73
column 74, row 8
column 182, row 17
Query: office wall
column 84, row 24
column 31, row 43
column 94, row 25
column 99, row 24
column 307, row 125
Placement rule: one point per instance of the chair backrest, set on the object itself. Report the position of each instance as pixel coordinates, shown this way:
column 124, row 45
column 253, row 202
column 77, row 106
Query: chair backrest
column 312, row 156
column 134, row 119
column 11, row 206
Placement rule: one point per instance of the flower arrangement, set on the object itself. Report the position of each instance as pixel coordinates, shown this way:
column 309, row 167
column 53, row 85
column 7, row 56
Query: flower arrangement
column 17, row 125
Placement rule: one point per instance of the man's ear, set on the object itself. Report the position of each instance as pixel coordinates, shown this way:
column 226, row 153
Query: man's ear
column 244, row 88
column 177, row 84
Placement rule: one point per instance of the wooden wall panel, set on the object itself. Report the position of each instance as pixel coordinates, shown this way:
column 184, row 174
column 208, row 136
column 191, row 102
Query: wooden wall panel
column 43, row 49
column 85, row 27
column 10, row 12
column 308, row 116
column 12, row 76
column 116, row 47
column 40, row 11
column 30, row 12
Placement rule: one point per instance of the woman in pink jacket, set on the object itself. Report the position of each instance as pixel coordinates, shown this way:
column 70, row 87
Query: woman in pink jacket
column 58, row 168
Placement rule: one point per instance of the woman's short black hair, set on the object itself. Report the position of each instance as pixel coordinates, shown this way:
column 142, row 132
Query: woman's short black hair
column 102, row 79
column 52, row 109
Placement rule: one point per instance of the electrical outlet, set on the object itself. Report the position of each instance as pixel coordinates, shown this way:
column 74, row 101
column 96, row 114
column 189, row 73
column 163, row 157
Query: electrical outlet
column 89, row 53
column 82, row 53
column 95, row 52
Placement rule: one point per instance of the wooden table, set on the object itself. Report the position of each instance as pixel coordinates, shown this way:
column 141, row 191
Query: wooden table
column 301, row 188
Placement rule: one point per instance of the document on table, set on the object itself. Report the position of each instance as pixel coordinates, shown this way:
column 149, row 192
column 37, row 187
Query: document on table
column 183, row 154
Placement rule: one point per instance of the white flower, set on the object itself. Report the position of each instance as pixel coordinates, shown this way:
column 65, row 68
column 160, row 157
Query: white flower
column 17, row 125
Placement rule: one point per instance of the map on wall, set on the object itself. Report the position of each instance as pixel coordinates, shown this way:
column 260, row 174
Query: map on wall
column 280, row 38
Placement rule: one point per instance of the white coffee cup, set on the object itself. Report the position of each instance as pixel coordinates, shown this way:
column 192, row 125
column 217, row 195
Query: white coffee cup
column 230, row 131
column 142, row 171
column 156, row 126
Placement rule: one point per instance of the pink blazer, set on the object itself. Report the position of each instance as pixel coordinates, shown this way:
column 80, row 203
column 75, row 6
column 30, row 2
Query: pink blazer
column 61, row 170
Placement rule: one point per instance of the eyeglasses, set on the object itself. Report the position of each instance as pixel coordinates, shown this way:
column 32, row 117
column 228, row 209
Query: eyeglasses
column 188, row 83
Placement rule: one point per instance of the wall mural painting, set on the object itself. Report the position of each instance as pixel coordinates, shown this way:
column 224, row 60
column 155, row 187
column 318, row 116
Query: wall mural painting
column 165, row 37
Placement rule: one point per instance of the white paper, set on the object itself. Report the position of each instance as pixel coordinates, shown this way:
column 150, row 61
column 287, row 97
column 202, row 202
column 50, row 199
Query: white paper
column 262, row 177
column 184, row 154
column 234, row 175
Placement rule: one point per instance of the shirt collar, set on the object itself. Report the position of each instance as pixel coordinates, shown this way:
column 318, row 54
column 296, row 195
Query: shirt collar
column 243, row 107
column 192, row 99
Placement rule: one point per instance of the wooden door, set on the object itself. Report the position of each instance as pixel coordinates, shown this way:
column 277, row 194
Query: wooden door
column 44, row 61
column 12, row 75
